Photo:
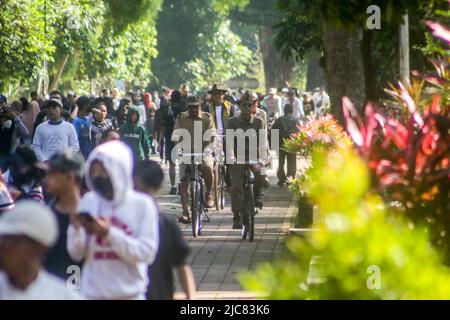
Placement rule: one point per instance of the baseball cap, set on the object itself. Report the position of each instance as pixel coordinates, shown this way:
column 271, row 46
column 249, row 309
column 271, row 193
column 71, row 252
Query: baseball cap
column 32, row 219
column 3, row 98
column 54, row 101
column 272, row 90
column 71, row 93
column 65, row 161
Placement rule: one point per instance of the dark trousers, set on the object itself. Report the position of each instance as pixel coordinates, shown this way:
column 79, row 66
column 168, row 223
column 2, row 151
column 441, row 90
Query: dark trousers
column 291, row 165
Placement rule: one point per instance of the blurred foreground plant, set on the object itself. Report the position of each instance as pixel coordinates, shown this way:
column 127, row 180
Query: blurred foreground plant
column 356, row 239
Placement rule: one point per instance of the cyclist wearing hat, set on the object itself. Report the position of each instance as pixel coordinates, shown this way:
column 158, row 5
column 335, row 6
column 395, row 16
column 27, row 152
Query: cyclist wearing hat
column 187, row 121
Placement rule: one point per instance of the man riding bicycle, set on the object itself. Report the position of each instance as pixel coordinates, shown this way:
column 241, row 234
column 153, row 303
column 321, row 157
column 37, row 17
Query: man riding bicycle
column 250, row 149
column 196, row 124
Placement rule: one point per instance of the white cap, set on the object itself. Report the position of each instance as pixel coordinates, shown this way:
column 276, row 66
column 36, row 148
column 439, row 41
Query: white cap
column 273, row 90
column 31, row 219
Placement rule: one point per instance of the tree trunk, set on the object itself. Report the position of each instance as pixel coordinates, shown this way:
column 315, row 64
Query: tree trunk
column 59, row 72
column 277, row 70
column 371, row 93
column 315, row 75
column 344, row 68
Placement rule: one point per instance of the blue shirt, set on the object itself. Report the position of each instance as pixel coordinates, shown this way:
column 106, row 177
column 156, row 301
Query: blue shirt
column 83, row 128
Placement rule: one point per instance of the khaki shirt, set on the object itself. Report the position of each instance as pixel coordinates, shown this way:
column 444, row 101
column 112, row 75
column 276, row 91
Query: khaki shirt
column 261, row 147
column 204, row 122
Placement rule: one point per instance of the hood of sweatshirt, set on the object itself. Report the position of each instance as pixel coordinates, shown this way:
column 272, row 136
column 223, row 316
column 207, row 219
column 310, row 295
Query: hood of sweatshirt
column 117, row 159
column 130, row 112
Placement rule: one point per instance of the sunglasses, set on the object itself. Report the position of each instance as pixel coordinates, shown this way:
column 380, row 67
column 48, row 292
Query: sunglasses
column 247, row 104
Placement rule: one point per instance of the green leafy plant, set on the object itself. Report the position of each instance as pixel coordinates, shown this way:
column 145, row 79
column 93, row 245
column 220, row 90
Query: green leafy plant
column 318, row 132
column 360, row 251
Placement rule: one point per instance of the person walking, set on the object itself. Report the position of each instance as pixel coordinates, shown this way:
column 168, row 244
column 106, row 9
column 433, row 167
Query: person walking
column 168, row 119
column 100, row 123
column 82, row 124
column 28, row 116
column 55, row 134
column 23, row 178
column 12, row 130
column 287, row 125
column 173, row 250
column 26, row 234
column 64, row 174
column 135, row 135
column 115, row 230
column 296, row 103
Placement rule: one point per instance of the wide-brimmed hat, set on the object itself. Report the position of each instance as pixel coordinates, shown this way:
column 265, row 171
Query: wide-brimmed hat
column 215, row 88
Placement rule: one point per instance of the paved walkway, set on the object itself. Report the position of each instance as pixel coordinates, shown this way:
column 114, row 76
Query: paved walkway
column 220, row 253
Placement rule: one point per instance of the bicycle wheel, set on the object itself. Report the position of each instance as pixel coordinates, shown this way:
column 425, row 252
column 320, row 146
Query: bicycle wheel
column 194, row 194
column 222, row 187
column 245, row 219
column 201, row 207
column 216, row 186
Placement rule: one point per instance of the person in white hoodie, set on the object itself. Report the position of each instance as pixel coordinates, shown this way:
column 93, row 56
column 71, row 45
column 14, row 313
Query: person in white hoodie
column 116, row 229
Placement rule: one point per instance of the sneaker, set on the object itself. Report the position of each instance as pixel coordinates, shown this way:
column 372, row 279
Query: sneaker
column 173, row 191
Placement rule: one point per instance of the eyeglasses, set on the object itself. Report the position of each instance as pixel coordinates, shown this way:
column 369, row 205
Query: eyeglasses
column 247, row 105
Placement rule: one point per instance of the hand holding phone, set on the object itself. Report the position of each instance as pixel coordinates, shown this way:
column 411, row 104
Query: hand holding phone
column 92, row 225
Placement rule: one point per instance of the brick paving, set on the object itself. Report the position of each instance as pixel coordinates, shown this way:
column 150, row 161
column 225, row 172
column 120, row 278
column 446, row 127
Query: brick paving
column 220, row 253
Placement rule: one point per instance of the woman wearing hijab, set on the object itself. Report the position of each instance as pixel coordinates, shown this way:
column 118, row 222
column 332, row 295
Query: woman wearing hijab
column 30, row 110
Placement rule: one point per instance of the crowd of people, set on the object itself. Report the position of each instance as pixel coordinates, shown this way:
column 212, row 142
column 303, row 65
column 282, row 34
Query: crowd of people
column 78, row 189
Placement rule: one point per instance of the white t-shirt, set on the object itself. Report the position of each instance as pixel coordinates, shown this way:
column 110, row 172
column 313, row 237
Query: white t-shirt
column 44, row 287
column 297, row 106
column 219, row 119
column 52, row 138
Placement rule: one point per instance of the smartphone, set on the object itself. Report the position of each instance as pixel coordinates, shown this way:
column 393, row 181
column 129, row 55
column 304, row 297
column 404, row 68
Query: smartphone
column 87, row 217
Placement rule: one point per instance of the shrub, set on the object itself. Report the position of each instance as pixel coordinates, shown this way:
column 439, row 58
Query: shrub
column 356, row 238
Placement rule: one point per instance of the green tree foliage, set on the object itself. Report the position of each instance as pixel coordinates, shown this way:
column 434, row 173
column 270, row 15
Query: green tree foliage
column 22, row 38
column 301, row 31
column 359, row 251
column 219, row 59
column 84, row 39
column 188, row 46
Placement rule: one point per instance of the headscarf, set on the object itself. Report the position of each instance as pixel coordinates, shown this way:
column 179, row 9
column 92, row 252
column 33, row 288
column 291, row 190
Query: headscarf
column 29, row 116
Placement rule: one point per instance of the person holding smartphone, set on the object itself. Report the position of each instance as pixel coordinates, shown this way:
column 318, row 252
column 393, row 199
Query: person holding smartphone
column 115, row 230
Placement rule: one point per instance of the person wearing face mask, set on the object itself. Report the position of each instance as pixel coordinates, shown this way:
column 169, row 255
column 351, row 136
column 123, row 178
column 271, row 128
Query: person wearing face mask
column 115, row 230
column 23, row 178
column 12, row 130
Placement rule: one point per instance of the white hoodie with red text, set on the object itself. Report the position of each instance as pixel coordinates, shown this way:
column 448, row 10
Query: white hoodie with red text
column 115, row 267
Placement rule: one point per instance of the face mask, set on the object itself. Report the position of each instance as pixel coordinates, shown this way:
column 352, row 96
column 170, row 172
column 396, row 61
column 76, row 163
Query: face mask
column 7, row 124
column 103, row 186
